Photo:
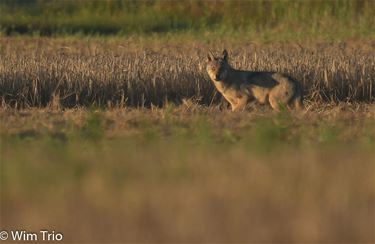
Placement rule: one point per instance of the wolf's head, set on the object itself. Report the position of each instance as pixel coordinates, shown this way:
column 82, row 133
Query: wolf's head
column 218, row 67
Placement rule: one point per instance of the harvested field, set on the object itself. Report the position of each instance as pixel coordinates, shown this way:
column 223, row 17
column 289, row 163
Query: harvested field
column 66, row 73
column 191, row 173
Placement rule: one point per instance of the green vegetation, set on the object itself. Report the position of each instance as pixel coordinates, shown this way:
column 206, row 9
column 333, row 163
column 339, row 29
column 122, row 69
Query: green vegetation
column 261, row 20
column 190, row 173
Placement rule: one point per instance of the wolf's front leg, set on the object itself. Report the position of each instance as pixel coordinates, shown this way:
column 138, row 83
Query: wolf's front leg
column 240, row 104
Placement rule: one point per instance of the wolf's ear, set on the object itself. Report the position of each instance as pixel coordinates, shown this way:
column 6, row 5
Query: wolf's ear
column 210, row 56
column 225, row 55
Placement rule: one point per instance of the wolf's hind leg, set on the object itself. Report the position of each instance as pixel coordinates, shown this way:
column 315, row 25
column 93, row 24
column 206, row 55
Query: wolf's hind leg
column 280, row 95
column 298, row 104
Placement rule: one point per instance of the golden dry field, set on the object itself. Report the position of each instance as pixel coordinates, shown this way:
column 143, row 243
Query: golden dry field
column 191, row 173
column 142, row 72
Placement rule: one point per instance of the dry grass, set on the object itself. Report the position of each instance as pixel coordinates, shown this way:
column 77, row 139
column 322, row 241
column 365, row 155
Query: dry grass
column 37, row 72
column 190, row 174
column 354, row 120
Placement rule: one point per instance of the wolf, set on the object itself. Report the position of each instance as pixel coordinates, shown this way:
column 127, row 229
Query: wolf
column 239, row 87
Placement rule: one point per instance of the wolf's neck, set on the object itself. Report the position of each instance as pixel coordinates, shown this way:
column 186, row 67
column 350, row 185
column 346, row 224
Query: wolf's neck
column 230, row 76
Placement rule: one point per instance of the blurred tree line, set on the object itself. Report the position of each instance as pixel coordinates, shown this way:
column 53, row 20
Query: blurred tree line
column 59, row 17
